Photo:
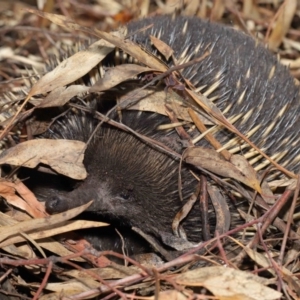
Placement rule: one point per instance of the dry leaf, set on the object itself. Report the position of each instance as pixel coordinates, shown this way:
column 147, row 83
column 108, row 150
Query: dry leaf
column 67, row 71
column 105, row 273
column 18, row 195
column 283, row 23
column 67, row 226
column 24, row 250
column 46, row 243
column 61, row 95
column 45, row 222
column 251, row 10
column 71, row 287
column 227, row 283
column 238, row 168
column 117, row 75
column 260, row 259
column 162, row 47
column 63, row 156
column 221, row 208
column 155, row 100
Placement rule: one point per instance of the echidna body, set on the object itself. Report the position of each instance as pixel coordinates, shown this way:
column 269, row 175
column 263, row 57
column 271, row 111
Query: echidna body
column 136, row 184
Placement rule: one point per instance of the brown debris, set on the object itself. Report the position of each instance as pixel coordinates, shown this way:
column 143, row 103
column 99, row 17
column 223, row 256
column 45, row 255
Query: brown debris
column 272, row 247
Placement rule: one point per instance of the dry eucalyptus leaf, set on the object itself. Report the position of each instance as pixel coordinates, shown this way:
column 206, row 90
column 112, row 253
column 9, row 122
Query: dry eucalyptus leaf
column 223, row 215
column 149, row 99
column 56, row 248
column 46, row 243
column 264, row 262
column 283, row 23
column 208, row 106
column 155, row 100
column 35, row 224
column 238, row 168
column 227, row 283
column 116, row 75
column 63, row 156
column 61, row 95
column 266, row 192
column 251, row 10
column 184, row 211
column 72, row 68
column 50, row 245
column 260, row 259
column 175, row 242
column 38, row 127
column 18, row 195
column 21, row 250
column 70, row 287
column 162, row 47
column 67, row 226
column 109, row 272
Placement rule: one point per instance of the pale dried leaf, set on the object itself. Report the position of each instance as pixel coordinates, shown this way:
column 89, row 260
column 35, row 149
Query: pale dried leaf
column 50, row 296
column 24, row 250
column 72, row 68
column 283, row 23
column 71, row 287
column 221, row 208
column 260, row 259
column 238, row 168
column 61, row 95
column 63, row 156
column 218, row 10
column 51, row 245
column 118, row 74
column 106, row 273
column 264, row 262
column 155, row 100
column 227, row 283
column 56, row 248
column 35, row 224
column 251, row 10
column 24, row 199
column 67, row 226
column 162, row 47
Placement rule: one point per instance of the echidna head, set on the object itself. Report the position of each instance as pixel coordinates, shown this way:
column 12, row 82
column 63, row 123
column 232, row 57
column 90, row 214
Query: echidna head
column 128, row 180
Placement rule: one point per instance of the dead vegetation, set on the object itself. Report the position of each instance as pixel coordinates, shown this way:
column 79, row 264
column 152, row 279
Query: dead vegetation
column 35, row 264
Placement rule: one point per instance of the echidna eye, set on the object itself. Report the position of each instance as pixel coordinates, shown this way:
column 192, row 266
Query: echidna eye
column 125, row 194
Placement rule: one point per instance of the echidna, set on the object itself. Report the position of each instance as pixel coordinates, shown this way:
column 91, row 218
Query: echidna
column 240, row 76
column 136, row 184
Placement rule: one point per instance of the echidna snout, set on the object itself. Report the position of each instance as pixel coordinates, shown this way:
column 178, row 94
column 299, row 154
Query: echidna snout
column 105, row 200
